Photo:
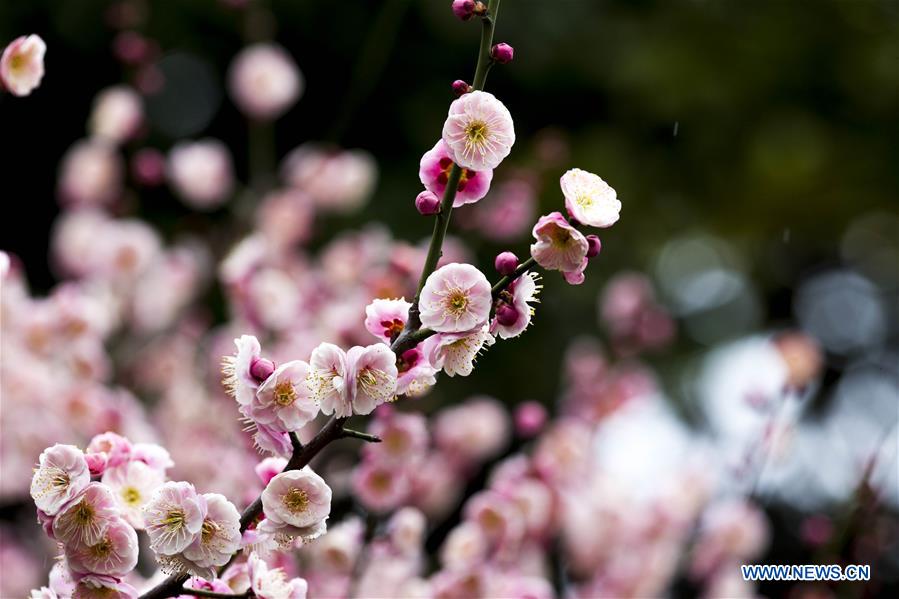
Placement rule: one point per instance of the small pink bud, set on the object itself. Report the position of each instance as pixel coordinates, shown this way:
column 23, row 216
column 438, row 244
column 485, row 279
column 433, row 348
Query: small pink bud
column 506, row 315
column 148, row 167
column 593, row 246
column 506, row 263
column 96, row 462
column 530, row 417
column 427, row 203
column 502, row 53
column 261, row 369
column 463, row 9
column 460, row 88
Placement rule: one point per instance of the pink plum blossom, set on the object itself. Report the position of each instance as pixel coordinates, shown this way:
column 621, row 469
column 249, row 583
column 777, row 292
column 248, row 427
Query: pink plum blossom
column 117, row 114
column 338, row 550
column 85, row 520
column 201, row 173
column 133, row 484
column 337, row 180
column 404, row 438
column 103, row 587
column 115, row 554
column 264, row 81
column 465, row 546
column 415, row 375
column 455, row 353
column 296, row 503
column 61, row 476
column 478, row 132
column 328, row 376
column 380, row 487
column 272, row 583
column 284, row 401
column 174, row 517
column 238, row 379
column 219, row 536
column 22, row 64
column 372, row 377
column 90, row 174
column 407, row 528
column 155, row 456
column 560, row 246
column 455, row 298
column 514, row 310
column 474, row 430
column 434, row 171
column 589, row 199
column 268, row 468
column 385, row 318
column 115, row 447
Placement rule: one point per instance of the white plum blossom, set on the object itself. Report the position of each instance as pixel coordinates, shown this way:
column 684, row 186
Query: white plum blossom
column 201, row 173
column 62, row 475
column 219, row 537
column 296, row 504
column 455, row 298
column 115, row 554
column 372, row 377
column 272, row 583
column 328, row 379
column 85, row 520
column 455, row 353
column 589, row 199
column 478, row 131
column 284, row 401
column 22, row 64
column 239, row 382
column 174, row 517
column 264, row 81
column 117, row 114
column 133, row 484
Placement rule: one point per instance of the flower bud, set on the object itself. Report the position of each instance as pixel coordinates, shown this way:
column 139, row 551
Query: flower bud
column 506, row 263
column 148, row 167
column 502, row 53
column 460, row 87
column 530, row 417
column 593, row 246
column 261, row 369
column 427, row 203
column 506, row 315
column 463, row 9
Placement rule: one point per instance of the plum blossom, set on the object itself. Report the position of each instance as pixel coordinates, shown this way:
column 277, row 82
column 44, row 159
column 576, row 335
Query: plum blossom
column 264, row 81
column 415, row 375
column 337, row 180
column 455, row 353
column 114, row 554
column 268, row 468
column 174, row 517
column 296, row 503
column 85, row 520
column 355, row 382
column 93, row 586
column 239, row 380
column 272, row 583
column 116, row 448
column 455, row 298
column 22, row 64
column 219, row 536
column 478, row 131
column 589, row 199
column 90, row 174
column 385, row 318
column 514, row 310
column 404, row 438
column 434, row 171
column 284, row 401
column 117, row 114
column 133, row 484
column 61, row 476
column 560, row 247
column 201, row 173
column 380, row 486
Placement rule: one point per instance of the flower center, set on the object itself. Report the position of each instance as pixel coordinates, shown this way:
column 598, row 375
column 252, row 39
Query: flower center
column 208, row 530
column 131, row 496
column 380, row 481
column 559, row 237
column 84, row 514
column 393, row 327
column 17, row 62
column 174, row 519
column 476, row 133
column 457, row 302
column 60, row 480
column 102, row 549
column 296, row 500
column 285, row 394
column 584, row 200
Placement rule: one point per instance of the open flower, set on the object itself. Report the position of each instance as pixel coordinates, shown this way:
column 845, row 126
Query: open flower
column 239, row 382
column 284, row 401
column 296, row 503
column 514, row 311
column 62, row 475
column 381, row 486
column 385, row 318
column 84, row 521
column 415, row 375
column 95, row 586
column 589, row 199
column 455, row 298
column 22, row 64
column 219, row 536
column 272, row 583
column 264, row 81
column 133, row 484
column 455, row 353
column 560, row 246
column 479, row 131
column 372, row 377
column 434, row 171
column 327, row 376
column 174, row 516
column 114, row 554
column 201, row 173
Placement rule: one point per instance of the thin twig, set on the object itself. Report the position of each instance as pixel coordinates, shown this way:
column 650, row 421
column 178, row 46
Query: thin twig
column 348, row 432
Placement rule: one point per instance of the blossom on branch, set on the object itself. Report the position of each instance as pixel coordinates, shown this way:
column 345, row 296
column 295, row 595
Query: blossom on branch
column 455, row 298
column 478, row 132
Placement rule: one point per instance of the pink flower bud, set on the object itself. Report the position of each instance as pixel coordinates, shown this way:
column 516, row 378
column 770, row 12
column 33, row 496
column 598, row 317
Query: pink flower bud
column 463, row 9
column 530, row 417
column 261, row 369
column 593, row 246
column 506, row 263
column 460, row 87
column 502, row 53
column 427, row 203
column 96, row 463
column 148, row 167
column 506, row 315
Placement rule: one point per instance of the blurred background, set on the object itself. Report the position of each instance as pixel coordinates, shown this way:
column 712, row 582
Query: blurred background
column 754, row 147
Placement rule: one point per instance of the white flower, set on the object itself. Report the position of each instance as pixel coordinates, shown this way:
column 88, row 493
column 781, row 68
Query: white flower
column 455, row 352
column 84, row 521
column 201, row 172
column 296, row 503
column 328, row 379
column 264, row 81
column 589, row 199
column 174, row 517
column 479, row 131
column 273, row 583
column 372, row 377
column 22, row 64
column 133, row 484
column 219, row 536
column 116, row 115
column 284, row 401
column 455, row 298
column 61, row 476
